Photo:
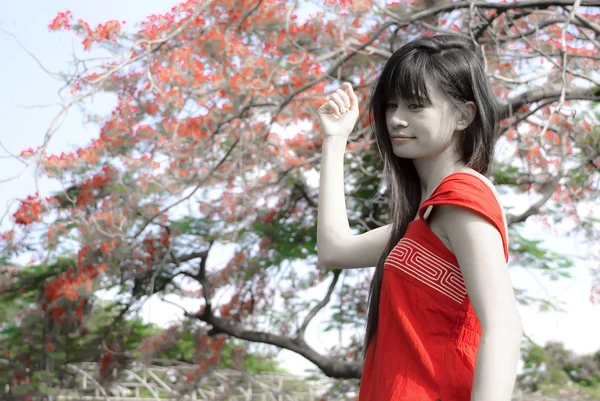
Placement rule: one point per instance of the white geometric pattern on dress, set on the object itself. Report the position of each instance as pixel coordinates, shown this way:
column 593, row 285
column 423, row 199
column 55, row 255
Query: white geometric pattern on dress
column 420, row 263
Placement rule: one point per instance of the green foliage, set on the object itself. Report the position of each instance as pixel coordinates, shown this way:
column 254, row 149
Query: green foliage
column 104, row 327
column 505, row 174
column 533, row 356
column 553, row 367
column 252, row 363
column 183, row 349
column 532, row 255
column 578, row 392
column 31, row 280
column 198, row 227
column 345, row 315
column 543, row 304
column 362, row 191
column 290, row 240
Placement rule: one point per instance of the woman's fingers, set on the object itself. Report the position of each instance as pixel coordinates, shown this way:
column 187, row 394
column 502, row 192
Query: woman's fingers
column 338, row 100
column 351, row 95
column 344, row 96
column 333, row 107
column 341, row 101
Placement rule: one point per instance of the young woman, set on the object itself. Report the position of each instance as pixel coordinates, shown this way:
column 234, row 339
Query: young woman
column 443, row 322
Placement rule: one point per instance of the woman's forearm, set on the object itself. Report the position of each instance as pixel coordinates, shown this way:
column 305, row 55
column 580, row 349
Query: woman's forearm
column 332, row 219
column 496, row 366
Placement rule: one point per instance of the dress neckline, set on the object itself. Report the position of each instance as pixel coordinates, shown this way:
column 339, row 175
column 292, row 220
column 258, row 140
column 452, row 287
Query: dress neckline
column 435, row 190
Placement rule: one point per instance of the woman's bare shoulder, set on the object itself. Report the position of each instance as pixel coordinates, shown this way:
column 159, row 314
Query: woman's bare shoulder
column 492, row 187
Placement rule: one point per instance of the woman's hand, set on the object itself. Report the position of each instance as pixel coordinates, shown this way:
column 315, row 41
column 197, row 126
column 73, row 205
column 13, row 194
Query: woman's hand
column 339, row 114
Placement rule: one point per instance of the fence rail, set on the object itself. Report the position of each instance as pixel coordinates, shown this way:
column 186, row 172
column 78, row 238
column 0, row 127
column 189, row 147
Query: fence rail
column 169, row 383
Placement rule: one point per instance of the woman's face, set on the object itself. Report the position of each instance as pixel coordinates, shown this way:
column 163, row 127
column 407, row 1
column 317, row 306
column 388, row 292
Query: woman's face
column 418, row 131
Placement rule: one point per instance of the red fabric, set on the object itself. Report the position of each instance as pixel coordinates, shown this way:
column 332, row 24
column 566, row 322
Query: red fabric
column 428, row 334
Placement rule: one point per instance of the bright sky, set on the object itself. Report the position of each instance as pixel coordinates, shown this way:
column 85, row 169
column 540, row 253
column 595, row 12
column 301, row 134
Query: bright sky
column 25, row 85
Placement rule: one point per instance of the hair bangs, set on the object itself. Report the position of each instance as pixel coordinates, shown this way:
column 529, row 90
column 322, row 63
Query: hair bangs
column 407, row 80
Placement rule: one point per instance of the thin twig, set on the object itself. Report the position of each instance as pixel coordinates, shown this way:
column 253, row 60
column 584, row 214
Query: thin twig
column 313, row 312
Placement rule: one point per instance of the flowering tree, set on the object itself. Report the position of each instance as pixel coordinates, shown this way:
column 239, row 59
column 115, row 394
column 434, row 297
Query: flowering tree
column 195, row 154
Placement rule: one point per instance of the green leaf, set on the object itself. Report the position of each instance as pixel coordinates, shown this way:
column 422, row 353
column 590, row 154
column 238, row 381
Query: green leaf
column 193, row 226
column 11, row 331
column 505, row 174
column 533, row 255
column 38, row 374
column 57, row 355
column 46, row 390
column 23, row 388
column 117, row 187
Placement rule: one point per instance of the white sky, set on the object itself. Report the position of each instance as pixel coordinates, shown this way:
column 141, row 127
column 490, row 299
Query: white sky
column 23, row 84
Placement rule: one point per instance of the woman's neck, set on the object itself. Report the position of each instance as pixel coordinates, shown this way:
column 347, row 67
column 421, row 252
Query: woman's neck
column 432, row 170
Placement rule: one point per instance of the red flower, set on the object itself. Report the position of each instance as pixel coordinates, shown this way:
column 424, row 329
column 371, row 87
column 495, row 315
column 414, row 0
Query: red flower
column 61, row 21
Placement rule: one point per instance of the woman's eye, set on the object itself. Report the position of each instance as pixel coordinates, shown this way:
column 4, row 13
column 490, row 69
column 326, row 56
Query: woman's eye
column 415, row 106
column 391, row 106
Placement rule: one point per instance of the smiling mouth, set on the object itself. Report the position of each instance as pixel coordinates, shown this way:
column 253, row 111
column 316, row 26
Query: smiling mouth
column 401, row 138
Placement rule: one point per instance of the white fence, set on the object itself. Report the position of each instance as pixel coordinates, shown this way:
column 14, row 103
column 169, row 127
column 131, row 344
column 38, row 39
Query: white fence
column 169, row 383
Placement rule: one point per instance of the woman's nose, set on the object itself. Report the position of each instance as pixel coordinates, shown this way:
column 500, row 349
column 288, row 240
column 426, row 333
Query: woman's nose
column 398, row 121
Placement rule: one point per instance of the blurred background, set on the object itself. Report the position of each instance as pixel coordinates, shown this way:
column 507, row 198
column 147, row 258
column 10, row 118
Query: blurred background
column 175, row 151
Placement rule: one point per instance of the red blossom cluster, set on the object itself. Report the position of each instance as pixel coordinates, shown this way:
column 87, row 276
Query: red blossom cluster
column 107, row 31
column 343, row 3
column 69, row 284
column 208, row 349
column 150, row 346
column 61, row 21
column 71, row 289
column 29, row 210
column 236, row 307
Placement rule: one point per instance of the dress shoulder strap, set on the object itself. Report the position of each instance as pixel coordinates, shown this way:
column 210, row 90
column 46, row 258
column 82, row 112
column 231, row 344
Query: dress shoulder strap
column 469, row 191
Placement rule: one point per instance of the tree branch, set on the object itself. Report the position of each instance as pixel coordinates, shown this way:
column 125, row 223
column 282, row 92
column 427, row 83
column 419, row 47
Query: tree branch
column 424, row 15
column 320, row 305
column 547, row 191
column 547, row 92
column 537, row 4
column 541, row 25
column 300, row 184
column 200, row 184
column 588, row 24
column 192, row 256
column 332, row 367
column 488, row 22
column 334, row 67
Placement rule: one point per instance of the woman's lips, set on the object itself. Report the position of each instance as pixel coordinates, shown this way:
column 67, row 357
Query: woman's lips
column 401, row 139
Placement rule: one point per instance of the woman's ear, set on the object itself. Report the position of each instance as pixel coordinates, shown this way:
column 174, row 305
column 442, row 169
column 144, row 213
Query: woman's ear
column 467, row 117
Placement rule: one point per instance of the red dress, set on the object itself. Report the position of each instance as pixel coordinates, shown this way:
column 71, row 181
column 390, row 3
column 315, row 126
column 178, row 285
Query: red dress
column 428, row 334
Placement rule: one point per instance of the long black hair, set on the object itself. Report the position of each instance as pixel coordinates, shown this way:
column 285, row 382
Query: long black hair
column 449, row 62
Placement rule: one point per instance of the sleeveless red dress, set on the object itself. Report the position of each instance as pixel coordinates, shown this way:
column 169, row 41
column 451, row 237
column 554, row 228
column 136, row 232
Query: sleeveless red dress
column 428, row 334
